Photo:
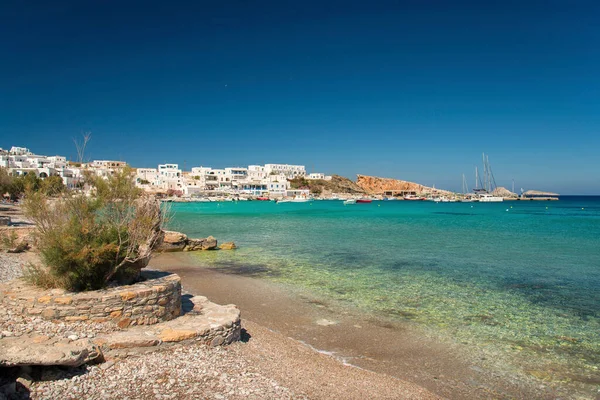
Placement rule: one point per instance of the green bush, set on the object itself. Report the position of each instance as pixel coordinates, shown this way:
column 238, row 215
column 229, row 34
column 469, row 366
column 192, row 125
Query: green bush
column 87, row 241
column 52, row 185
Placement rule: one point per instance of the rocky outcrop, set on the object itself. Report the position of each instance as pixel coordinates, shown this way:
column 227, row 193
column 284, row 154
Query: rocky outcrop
column 376, row 185
column 503, row 192
column 177, row 241
column 337, row 184
column 173, row 241
column 209, row 243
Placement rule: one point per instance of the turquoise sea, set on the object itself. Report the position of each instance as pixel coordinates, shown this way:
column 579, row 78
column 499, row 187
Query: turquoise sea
column 517, row 280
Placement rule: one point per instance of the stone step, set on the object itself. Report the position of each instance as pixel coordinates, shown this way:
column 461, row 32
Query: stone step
column 45, row 351
column 207, row 322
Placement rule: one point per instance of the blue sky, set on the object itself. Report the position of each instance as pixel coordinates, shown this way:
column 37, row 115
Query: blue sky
column 413, row 90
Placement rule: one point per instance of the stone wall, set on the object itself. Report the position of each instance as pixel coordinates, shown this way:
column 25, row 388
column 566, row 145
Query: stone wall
column 144, row 303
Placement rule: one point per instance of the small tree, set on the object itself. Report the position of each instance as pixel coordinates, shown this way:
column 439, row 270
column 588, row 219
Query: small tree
column 5, row 181
column 87, row 241
column 53, row 185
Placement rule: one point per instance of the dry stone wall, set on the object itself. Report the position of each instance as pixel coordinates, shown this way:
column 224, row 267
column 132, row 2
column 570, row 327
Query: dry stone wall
column 145, row 303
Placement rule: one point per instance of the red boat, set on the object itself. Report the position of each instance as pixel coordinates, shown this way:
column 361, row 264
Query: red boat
column 364, row 200
column 263, row 199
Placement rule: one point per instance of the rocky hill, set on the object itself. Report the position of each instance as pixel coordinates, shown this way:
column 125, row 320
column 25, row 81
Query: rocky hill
column 503, row 192
column 337, row 184
column 376, row 185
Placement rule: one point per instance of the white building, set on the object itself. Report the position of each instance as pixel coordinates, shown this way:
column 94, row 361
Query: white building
column 21, row 161
column 146, row 178
column 318, row 176
column 290, row 171
column 169, row 177
column 20, row 151
column 257, row 172
column 107, row 164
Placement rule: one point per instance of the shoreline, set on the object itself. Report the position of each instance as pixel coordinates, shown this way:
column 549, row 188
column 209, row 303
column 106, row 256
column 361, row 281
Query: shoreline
column 387, row 348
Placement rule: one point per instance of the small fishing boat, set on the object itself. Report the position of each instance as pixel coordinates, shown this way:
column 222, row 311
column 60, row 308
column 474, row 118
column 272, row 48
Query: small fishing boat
column 412, row 197
column 364, row 201
column 263, row 199
column 297, row 199
column 350, row 201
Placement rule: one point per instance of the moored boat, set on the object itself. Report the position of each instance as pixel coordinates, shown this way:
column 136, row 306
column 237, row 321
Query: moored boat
column 412, row 197
column 488, row 198
column 350, row 201
column 364, row 201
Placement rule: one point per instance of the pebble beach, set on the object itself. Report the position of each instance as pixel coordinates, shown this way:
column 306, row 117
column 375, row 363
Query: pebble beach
column 264, row 365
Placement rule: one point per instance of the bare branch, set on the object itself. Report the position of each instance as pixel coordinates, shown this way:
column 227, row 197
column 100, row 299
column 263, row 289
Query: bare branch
column 80, row 145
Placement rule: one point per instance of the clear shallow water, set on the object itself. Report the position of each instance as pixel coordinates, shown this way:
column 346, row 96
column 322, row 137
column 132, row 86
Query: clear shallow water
column 516, row 279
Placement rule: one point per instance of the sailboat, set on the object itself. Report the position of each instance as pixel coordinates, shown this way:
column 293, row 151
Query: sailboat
column 467, row 198
column 489, row 183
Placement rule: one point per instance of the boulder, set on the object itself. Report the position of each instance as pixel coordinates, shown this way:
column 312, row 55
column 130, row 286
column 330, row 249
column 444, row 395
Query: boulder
column 31, row 350
column 210, row 243
column 194, row 244
column 176, row 241
column 4, row 221
column 228, row 246
column 173, row 241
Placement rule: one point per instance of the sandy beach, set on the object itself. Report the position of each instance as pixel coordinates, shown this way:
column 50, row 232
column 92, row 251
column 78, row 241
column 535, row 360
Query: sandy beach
column 308, row 345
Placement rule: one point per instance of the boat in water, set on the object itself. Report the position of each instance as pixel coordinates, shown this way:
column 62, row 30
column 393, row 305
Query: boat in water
column 488, row 198
column 297, row 199
column 412, row 197
column 364, row 201
column 349, row 201
column 263, row 199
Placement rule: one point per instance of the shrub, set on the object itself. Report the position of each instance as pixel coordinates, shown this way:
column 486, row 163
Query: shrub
column 8, row 239
column 52, row 185
column 87, row 241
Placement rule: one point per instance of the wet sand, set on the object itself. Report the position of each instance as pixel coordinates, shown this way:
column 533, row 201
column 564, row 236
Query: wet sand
column 277, row 317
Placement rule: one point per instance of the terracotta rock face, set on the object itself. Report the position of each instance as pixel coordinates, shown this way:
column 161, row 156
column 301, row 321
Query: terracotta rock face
column 376, row 185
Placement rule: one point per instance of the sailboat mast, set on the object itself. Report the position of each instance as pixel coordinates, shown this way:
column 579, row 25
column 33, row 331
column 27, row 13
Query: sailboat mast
column 476, row 178
column 485, row 173
column 489, row 174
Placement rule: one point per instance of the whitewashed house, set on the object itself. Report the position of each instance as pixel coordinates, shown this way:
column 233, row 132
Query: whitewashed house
column 290, row 171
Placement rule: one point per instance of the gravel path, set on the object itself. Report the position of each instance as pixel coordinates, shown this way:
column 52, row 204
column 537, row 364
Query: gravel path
column 181, row 372
column 10, row 266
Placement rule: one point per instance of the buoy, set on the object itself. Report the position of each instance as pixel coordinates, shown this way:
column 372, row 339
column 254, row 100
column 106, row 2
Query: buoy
column 511, row 207
column 582, row 208
column 507, row 209
column 546, row 208
column 378, row 205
